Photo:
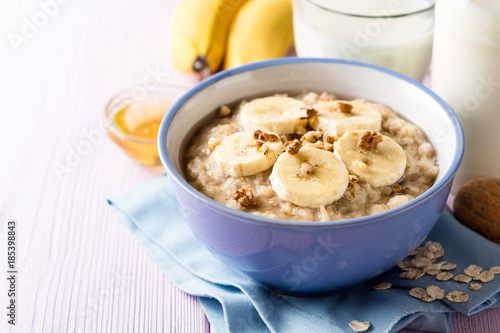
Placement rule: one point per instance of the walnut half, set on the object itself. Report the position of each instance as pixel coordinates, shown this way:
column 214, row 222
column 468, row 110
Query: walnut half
column 244, row 197
column 369, row 140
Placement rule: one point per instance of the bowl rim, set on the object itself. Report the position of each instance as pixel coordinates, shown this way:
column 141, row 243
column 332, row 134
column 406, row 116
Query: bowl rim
column 251, row 218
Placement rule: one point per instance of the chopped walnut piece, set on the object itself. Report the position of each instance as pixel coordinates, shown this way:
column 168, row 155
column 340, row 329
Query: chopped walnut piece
column 258, row 144
column 244, row 197
column 310, row 111
column 224, row 111
column 369, row 140
column 328, row 139
column 305, row 169
column 344, row 107
column 292, row 147
column 263, row 136
column 396, row 188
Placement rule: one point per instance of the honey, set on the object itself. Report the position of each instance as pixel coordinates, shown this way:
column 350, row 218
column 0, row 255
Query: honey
column 134, row 127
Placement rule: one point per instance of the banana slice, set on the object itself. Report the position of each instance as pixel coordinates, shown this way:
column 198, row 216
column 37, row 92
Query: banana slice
column 376, row 163
column 278, row 114
column 247, row 153
column 337, row 117
column 310, row 178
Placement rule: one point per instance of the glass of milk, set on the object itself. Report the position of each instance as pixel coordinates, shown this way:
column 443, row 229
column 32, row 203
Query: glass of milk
column 466, row 74
column 396, row 34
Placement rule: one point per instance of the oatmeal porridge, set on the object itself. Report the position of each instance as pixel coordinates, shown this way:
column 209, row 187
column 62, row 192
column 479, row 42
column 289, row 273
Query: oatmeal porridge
column 310, row 157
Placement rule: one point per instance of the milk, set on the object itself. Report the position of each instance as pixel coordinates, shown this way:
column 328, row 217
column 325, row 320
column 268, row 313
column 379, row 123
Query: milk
column 466, row 74
column 327, row 28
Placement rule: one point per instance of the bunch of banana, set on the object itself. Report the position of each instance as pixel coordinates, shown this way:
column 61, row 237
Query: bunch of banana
column 242, row 31
column 262, row 30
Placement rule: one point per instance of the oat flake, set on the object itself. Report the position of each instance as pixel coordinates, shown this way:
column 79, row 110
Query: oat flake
column 435, row 292
column 473, row 270
column 486, row 276
column 474, row 286
column 457, row 297
column 463, row 278
column 359, row 326
column 444, row 276
column 383, row 286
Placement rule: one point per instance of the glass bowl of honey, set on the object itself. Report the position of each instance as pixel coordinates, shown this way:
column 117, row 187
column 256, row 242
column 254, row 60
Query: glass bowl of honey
column 133, row 118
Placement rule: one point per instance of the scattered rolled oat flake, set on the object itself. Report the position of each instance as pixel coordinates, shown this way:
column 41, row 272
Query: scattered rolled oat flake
column 421, row 262
column 444, row 276
column 405, row 265
column 473, row 270
column 486, row 276
column 359, row 326
column 432, row 269
column 463, row 278
column 224, row 111
column 435, row 292
column 415, row 252
column 495, row 270
column 433, row 246
column 427, row 298
column 474, row 286
column 418, row 292
column 448, row 266
column 457, row 296
column 383, row 286
column 412, row 274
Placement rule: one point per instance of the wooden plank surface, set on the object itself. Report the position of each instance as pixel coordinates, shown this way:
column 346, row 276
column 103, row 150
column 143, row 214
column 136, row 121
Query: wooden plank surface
column 80, row 270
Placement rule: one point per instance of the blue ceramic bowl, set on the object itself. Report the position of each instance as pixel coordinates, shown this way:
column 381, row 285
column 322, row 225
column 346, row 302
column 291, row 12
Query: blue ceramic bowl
column 311, row 257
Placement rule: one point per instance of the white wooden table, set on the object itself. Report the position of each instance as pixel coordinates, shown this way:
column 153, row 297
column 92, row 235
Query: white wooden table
column 79, row 268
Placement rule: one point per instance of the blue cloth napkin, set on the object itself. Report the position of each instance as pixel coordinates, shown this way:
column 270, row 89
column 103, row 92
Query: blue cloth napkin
column 234, row 303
